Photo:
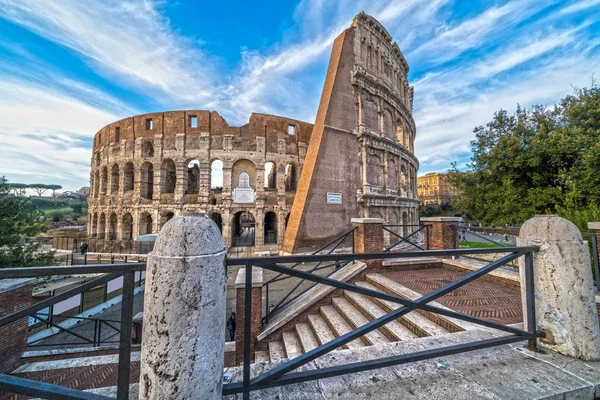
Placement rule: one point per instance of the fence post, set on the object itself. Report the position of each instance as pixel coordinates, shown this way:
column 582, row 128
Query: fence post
column 565, row 302
column 184, row 312
column 442, row 234
column 248, row 301
column 369, row 238
column 596, row 227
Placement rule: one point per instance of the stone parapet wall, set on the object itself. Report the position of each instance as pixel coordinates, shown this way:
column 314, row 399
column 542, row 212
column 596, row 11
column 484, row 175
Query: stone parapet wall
column 15, row 295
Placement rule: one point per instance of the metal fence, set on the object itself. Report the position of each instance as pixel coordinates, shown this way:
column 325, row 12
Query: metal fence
column 407, row 237
column 283, row 373
column 96, row 245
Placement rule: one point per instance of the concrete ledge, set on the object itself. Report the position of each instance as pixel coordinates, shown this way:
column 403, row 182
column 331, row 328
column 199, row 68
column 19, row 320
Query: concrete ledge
column 257, row 278
column 472, row 265
column 439, row 219
column 367, row 221
column 6, row 285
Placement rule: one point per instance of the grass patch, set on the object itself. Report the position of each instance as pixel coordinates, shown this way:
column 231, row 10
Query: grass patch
column 478, row 245
column 64, row 210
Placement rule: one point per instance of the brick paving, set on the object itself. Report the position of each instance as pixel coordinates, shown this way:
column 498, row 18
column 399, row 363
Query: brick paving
column 482, row 299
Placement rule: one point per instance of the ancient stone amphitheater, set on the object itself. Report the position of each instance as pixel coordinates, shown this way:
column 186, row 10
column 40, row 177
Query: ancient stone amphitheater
column 147, row 168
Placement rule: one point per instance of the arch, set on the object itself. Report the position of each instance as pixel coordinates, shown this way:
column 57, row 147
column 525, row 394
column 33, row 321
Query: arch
column 393, row 218
column 403, row 184
column 168, row 176
column 375, row 214
column 94, row 228
column 193, row 177
column 104, row 186
column 114, row 181
column 216, row 174
column 147, row 149
column 238, row 168
column 287, row 219
column 243, row 229
column 374, row 170
column 97, row 184
column 370, row 115
column 165, row 217
column 400, row 133
column 404, row 222
column 270, row 228
column 145, row 226
column 218, row 220
column 102, row 227
column 392, row 175
column 128, row 178
column 388, row 124
column 147, row 180
column 270, row 175
column 291, row 181
column 127, row 227
column 112, row 227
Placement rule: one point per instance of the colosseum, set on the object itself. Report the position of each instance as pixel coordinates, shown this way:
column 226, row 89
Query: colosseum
column 356, row 161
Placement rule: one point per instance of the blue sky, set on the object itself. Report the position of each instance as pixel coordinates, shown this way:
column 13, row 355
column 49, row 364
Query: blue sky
column 68, row 68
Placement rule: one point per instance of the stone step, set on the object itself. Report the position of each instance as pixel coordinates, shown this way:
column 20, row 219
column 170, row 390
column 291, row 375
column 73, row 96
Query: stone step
column 308, row 341
column 418, row 324
column 276, row 350
column 291, row 344
column 261, row 356
column 339, row 326
column 356, row 319
column 448, row 323
column 394, row 330
column 320, row 328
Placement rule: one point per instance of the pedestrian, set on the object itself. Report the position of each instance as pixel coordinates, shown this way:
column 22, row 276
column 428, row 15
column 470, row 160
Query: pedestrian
column 464, row 237
column 85, row 247
column 82, row 248
column 231, row 326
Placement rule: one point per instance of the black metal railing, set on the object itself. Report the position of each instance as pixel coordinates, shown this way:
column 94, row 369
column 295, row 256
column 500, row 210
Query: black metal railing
column 346, row 238
column 593, row 243
column 283, row 373
column 407, row 237
column 13, row 384
column 102, row 331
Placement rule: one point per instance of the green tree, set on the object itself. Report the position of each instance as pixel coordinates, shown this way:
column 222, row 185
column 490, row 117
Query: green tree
column 19, row 221
column 78, row 207
column 54, row 188
column 18, row 188
column 535, row 161
column 39, row 188
column 57, row 216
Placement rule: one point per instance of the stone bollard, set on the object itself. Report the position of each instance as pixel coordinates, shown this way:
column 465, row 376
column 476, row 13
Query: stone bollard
column 184, row 312
column 564, row 296
column 443, row 233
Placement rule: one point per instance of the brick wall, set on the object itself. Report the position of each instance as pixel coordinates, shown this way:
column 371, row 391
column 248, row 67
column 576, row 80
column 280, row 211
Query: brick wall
column 255, row 324
column 368, row 238
column 13, row 336
column 443, row 233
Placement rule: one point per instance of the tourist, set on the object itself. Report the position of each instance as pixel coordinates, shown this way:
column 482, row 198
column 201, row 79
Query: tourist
column 231, row 326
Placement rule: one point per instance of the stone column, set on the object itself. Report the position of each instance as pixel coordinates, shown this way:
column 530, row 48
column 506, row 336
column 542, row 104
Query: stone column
column 184, row 312
column 15, row 295
column 565, row 303
column 443, row 233
column 368, row 238
column 256, row 317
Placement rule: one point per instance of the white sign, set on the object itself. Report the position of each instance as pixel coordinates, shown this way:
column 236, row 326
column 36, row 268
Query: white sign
column 334, row 198
column 243, row 193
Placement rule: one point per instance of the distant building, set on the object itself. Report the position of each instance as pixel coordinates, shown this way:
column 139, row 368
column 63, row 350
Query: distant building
column 435, row 188
column 84, row 191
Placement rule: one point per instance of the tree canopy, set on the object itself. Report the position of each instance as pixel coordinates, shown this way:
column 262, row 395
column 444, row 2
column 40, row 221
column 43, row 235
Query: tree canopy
column 19, row 221
column 535, row 161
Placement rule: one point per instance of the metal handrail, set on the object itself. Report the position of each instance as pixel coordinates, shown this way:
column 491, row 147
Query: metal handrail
column 283, row 374
column 405, row 239
column 111, row 271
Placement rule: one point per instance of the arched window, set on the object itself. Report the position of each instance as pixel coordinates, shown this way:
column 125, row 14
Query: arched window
column 193, row 177
column 240, row 167
column 168, row 174
column 129, row 179
column 112, row 227
column 147, row 180
column 216, row 174
column 102, row 226
column 400, row 133
column 147, row 149
column 127, row 227
column 104, row 186
column 290, row 177
column 94, row 229
column 388, row 124
column 145, row 224
column 114, row 182
column 242, row 229
column 165, row 217
column 270, row 175
column 97, row 184
column 216, row 217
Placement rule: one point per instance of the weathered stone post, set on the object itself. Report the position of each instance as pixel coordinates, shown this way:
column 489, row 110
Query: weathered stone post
column 368, row 238
column 15, row 295
column 184, row 312
column 240, row 308
column 564, row 295
column 443, row 233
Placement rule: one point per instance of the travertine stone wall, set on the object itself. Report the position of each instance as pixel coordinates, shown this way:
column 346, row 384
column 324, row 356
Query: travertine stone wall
column 140, row 176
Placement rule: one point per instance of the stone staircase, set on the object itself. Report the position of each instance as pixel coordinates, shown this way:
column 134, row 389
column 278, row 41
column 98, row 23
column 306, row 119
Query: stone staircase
column 352, row 310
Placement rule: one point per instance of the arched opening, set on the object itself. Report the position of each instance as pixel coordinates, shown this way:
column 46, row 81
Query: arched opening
column 290, row 177
column 128, row 178
column 165, row 217
column 270, row 176
column 94, row 228
column 388, row 124
column 287, row 218
column 145, row 224
column 114, row 181
column 147, row 180
column 97, row 184
column 168, row 175
column 147, row 149
column 392, row 176
column 405, row 223
column 127, row 227
column 270, row 228
column 216, row 217
column 102, row 227
column 370, row 115
column 216, row 174
column 403, row 181
column 104, row 186
column 243, row 229
column 193, row 177
column 112, row 227
column 374, row 172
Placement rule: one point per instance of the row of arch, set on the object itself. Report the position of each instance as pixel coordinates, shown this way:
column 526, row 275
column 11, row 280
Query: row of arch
column 398, row 177
column 168, row 176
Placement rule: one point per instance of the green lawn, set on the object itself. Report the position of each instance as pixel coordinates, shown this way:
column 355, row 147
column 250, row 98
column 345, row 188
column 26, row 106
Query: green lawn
column 477, row 245
column 63, row 210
